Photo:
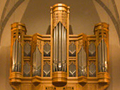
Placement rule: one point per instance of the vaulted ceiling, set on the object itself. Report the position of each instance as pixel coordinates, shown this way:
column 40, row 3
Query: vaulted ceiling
column 36, row 15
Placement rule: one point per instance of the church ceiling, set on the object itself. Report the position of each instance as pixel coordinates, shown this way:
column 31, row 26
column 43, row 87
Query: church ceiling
column 37, row 11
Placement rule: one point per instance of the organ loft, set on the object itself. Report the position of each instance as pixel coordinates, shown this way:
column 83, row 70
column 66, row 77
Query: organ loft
column 59, row 60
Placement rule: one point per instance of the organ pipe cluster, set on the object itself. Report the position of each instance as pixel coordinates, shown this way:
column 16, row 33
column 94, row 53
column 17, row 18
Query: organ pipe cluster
column 59, row 55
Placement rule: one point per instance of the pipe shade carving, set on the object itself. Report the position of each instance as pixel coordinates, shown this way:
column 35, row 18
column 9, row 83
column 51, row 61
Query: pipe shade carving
column 46, row 70
column 92, row 70
column 72, row 70
column 27, row 49
column 47, row 48
column 72, row 49
column 26, row 70
column 92, row 49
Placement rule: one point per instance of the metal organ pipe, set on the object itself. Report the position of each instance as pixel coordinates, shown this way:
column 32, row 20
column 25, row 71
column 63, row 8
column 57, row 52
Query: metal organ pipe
column 59, row 49
column 60, row 56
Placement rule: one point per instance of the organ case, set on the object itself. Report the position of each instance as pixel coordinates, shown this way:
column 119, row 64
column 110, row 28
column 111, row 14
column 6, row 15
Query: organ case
column 59, row 61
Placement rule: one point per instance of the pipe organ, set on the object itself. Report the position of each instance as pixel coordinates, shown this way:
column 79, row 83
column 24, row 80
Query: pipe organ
column 59, row 61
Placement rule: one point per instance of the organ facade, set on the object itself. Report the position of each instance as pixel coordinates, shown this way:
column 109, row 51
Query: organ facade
column 59, row 61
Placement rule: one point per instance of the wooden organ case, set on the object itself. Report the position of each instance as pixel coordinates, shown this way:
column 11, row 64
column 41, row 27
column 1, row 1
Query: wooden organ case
column 59, row 61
